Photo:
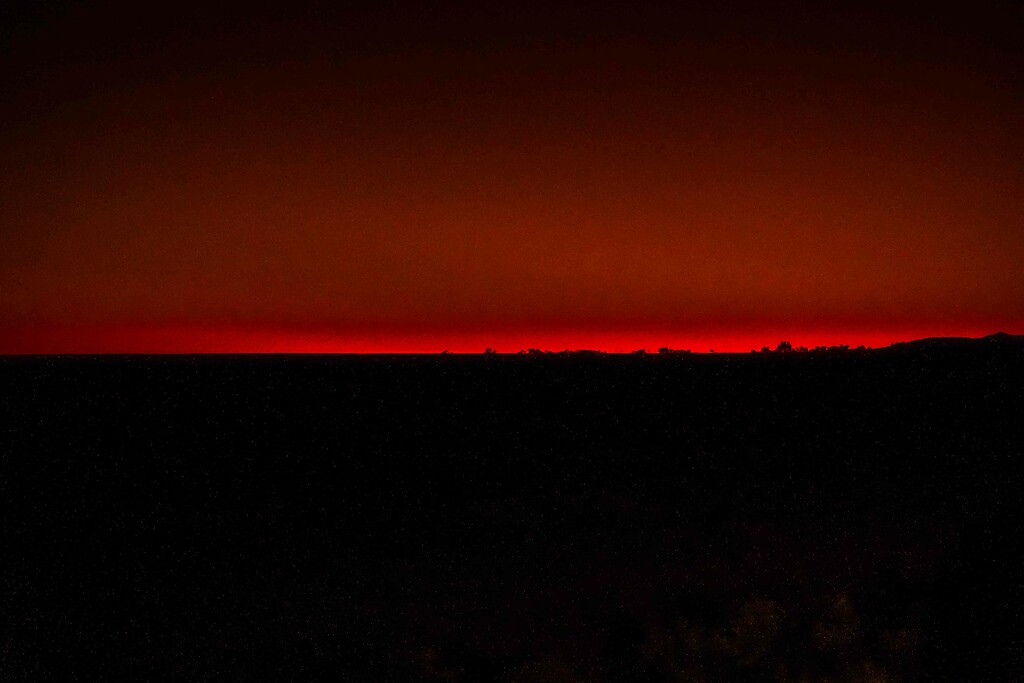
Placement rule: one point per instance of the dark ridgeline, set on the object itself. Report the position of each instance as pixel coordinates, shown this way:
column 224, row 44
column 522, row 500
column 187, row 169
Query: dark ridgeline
column 846, row 516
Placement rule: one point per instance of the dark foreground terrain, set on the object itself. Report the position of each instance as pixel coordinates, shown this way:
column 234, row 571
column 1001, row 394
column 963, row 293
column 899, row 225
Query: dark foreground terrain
column 850, row 516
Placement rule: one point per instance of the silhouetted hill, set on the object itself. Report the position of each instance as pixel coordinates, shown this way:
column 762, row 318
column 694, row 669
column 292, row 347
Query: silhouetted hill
column 720, row 517
column 998, row 341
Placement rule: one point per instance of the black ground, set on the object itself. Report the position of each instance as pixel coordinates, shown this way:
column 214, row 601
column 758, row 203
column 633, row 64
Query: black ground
column 850, row 516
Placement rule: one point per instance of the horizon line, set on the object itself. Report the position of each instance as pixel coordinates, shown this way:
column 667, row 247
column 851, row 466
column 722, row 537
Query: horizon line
column 194, row 340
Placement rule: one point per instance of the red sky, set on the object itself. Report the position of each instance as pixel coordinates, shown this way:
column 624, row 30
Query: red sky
column 406, row 179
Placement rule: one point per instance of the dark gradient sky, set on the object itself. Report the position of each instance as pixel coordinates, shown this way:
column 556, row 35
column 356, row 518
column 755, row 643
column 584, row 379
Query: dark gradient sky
column 398, row 177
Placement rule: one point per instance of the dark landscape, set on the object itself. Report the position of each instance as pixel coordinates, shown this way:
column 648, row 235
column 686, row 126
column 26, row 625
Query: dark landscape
column 253, row 254
column 843, row 515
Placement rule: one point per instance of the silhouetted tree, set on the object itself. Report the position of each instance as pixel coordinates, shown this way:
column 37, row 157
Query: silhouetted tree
column 580, row 353
column 784, row 347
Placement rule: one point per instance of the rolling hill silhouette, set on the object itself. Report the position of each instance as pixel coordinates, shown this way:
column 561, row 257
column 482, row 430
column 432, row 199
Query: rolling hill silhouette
column 998, row 340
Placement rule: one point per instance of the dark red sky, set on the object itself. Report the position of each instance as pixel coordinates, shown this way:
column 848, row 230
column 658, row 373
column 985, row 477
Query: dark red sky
column 397, row 178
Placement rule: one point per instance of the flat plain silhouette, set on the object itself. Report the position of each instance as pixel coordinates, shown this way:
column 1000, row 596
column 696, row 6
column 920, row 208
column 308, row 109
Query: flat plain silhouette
column 844, row 515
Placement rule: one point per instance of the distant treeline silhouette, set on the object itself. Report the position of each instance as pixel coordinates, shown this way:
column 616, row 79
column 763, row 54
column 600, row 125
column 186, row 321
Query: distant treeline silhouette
column 783, row 347
column 787, row 347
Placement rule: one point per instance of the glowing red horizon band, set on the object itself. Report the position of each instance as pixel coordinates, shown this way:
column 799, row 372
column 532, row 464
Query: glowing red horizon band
column 227, row 339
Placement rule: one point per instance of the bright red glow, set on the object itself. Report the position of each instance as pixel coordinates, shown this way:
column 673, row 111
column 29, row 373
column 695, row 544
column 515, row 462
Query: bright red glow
column 408, row 179
column 152, row 339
